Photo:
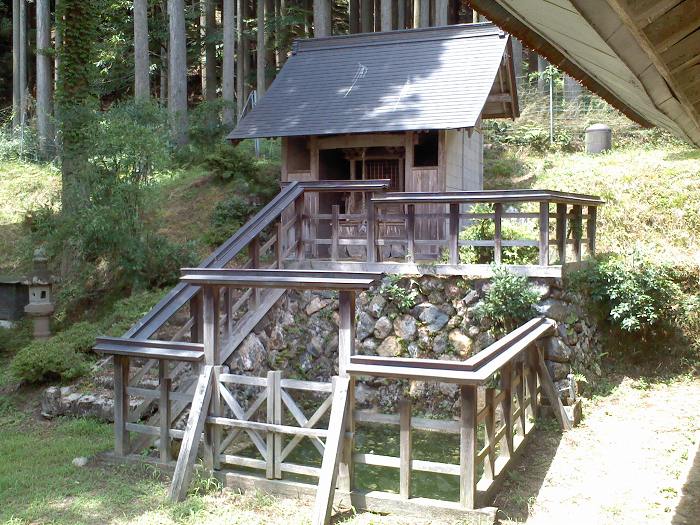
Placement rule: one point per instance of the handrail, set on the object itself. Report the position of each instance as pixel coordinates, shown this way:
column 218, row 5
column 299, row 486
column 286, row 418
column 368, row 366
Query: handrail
column 495, row 196
column 224, row 254
column 342, row 185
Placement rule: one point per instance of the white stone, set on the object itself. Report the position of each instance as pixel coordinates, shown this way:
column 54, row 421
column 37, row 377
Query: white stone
column 80, row 462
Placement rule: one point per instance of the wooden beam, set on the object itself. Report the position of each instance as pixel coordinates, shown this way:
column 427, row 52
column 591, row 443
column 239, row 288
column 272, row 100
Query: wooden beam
column 121, row 405
column 334, row 444
column 361, row 140
column 646, row 11
column 673, row 25
column 405, row 448
column 550, row 391
column 467, row 447
column 193, row 433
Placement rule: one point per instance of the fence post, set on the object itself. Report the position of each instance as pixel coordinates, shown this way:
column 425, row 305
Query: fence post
column 490, row 433
column 591, row 229
column 164, row 384
column 346, row 343
column 561, row 232
column 411, row 232
column 196, row 313
column 121, row 405
column 371, row 232
column 544, row 233
column 577, row 229
column 335, row 226
column 405, row 448
column 211, row 325
column 467, row 447
column 299, row 225
column 454, row 233
column 497, row 232
column 507, row 410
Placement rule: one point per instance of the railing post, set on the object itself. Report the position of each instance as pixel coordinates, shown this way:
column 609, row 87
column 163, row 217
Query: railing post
column 507, row 410
column 164, row 384
column 299, row 204
column 405, row 448
column 254, row 248
column 228, row 303
column 467, row 447
column 532, row 363
column 274, row 400
column 121, row 405
column 544, row 233
column 561, row 232
column 371, row 231
column 196, row 313
column 335, row 226
column 346, row 343
column 411, row 232
column 212, row 346
column 454, row 233
column 490, row 431
column 279, row 245
column 577, row 229
column 497, row 233
column 591, row 224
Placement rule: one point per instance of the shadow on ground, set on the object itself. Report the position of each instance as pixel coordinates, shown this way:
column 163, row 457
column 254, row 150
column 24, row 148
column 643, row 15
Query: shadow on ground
column 688, row 509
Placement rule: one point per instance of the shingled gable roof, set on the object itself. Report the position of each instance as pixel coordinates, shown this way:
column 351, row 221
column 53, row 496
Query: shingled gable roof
column 434, row 78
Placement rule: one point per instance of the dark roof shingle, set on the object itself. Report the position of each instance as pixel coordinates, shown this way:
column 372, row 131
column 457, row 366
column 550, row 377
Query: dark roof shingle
column 434, row 78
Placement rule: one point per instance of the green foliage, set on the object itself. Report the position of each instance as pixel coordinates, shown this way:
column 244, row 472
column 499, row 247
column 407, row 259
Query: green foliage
column 12, row 339
column 484, row 230
column 403, row 296
column 509, row 300
column 636, row 294
column 65, row 356
column 228, row 216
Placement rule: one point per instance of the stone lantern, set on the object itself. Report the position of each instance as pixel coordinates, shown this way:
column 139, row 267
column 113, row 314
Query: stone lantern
column 40, row 305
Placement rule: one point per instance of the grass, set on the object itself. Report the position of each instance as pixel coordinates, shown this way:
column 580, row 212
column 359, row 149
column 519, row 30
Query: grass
column 652, row 196
column 23, row 187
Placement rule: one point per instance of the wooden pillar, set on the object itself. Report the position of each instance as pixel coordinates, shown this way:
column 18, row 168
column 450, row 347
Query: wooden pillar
column 591, row 229
column 254, row 248
column 164, row 384
column 280, row 245
column 424, row 16
column 497, row 233
column 454, row 233
column 467, row 447
column 196, row 332
column 299, row 226
column 490, row 433
column 346, row 346
column 577, row 229
column 411, row 232
column 210, row 316
column 405, row 448
column 408, row 161
column 121, row 405
column 401, row 14
column 335, row 226
column 544, row 233
column 387, row 15
column 371, row 232
column 506, row 449
column 561, row 232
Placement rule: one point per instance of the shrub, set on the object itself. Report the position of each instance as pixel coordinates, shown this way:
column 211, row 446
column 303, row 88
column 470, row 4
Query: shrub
column 509, row 300
column 48, row 360
column 636, row 294
column 404, row 297
column 228, row 216
column 484, row 230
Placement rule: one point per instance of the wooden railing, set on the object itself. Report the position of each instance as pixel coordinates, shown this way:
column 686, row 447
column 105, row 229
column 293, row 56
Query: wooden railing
column 409, row 222
column 493, row 423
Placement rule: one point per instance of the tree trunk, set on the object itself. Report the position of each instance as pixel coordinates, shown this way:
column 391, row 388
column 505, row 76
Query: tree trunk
column 163, row 76
column 57, row 47
column 261, row 50
column 16, row 98
column 387, row 15
column 401, row 14
column 177, row 71
column 441, row 12
column 366, row 11
column 322, row 18
column 424, row 20
column 228, row 80
column 142, row 84
column 44, row 80
column 22, row 67
column 207, row 25
column 354, row 16
column 240, row 73
column 541, row 81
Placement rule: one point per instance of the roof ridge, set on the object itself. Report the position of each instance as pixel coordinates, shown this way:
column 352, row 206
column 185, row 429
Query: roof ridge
column 423, row 34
